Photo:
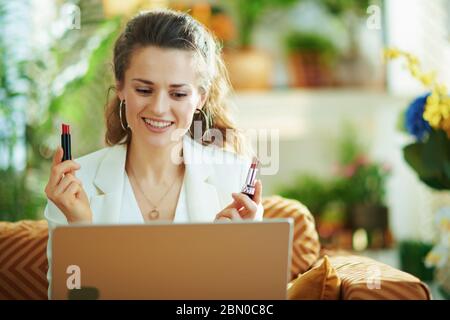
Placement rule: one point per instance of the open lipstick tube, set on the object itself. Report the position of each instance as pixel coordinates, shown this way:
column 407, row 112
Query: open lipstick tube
column 249, row 187
column 65, row 142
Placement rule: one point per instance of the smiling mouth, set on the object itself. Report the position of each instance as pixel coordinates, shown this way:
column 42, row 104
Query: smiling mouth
column 159, row 124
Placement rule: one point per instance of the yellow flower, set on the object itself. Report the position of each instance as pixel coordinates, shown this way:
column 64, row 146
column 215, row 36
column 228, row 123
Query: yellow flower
column 433, row 115
column 427, row 79
column 433, row 99
column 445, row 110
column 436, row 111
column 412, row 59
column 391, row 53
column 441, row 89
column 414, row 70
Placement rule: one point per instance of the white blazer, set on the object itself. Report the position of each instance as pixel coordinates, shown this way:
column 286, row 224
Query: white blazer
column 211, row 175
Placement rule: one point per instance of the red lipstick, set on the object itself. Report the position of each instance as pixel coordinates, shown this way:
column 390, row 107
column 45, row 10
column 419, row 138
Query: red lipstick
column 65, row 142
column 249, row 187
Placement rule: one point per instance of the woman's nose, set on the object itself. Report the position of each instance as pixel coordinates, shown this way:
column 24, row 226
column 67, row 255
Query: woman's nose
column 159, row 104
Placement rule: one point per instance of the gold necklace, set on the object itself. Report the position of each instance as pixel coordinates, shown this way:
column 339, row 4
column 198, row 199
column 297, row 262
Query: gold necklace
column 154, row 213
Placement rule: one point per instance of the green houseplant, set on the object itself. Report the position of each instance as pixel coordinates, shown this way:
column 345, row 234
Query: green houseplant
column 352, row 14
column 51, row 99
column 311, row 57
column 17, row 200
column 250, row 13
column 248, row 66
column 360, row 184
column 350, row 199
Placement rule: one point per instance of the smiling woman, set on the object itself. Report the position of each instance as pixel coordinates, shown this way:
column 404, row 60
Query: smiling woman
column 170, row 86
column 187, row 59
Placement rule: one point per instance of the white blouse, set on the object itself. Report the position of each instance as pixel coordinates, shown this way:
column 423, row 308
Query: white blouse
column 130, row 212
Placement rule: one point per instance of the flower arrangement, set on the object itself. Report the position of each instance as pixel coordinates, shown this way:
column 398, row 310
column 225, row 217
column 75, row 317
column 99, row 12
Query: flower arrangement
column 364, row 180
column 427, row 119
column 437, row 105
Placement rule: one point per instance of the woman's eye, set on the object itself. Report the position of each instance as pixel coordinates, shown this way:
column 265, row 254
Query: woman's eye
column 143, row 91
column 179, row 94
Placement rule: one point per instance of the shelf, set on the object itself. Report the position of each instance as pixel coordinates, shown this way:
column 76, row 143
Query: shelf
column 295, row 113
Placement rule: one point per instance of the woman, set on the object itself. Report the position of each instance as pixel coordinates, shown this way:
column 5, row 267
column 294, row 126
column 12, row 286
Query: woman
column 159, row 163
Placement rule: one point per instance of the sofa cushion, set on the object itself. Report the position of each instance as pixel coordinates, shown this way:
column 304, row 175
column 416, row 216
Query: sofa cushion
column 365, row 278
column 23, row 260
column 306, row 245
column 318, row 283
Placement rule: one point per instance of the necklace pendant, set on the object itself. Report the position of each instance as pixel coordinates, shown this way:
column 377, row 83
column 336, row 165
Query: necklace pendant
column 154, row 214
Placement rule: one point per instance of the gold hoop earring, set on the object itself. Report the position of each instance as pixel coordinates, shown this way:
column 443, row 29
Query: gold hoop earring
column 121, row 105
column 206, row 122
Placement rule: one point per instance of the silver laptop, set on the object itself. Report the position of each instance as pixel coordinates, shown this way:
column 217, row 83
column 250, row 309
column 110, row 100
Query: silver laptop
column 226, row 260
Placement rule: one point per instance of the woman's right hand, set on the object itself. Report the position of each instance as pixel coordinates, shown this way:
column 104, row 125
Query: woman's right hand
column 66, row 191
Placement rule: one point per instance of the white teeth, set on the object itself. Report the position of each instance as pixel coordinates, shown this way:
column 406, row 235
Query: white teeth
column 157, row 124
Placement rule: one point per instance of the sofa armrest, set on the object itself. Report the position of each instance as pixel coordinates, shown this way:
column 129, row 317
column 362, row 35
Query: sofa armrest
column 23, row 260
column 368, row 279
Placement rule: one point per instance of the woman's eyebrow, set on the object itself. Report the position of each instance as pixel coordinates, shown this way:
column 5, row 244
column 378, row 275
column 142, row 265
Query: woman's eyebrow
column 176, row 85
column 142, row 80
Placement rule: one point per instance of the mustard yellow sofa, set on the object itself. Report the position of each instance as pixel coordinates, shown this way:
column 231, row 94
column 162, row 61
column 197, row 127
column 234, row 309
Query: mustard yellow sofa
column 23, row 261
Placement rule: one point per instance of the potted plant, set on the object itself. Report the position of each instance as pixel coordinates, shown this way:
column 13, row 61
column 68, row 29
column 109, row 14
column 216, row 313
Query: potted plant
column 352, row 14
column 360, row 184
column 318, row 195
column 248, row 66
column 351, row 199
column 310, row 59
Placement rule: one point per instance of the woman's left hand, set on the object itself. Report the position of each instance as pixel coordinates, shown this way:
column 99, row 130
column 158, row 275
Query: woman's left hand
column 242, row 206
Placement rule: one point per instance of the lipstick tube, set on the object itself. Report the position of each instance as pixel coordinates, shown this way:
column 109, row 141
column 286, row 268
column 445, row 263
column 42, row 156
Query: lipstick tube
column 249, row 187
column 65, row 142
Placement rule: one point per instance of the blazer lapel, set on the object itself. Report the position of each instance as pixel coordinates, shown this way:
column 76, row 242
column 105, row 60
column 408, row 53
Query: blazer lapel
column 109, row 183
column 202, row 199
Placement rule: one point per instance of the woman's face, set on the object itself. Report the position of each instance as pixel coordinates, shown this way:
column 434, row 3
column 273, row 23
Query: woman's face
column 161, row 94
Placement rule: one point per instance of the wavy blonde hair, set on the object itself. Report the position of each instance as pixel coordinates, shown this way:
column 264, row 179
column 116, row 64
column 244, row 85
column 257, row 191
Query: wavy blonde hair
column 176, row 30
